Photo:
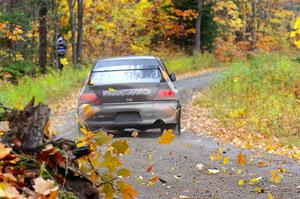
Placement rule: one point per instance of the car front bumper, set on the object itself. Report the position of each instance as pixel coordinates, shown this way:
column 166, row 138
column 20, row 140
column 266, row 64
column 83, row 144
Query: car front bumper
column 130, row 115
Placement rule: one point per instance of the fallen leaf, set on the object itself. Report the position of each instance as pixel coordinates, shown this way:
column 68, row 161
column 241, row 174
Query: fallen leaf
column 224, row 171
column 183, row 197
column 258, row 189
column 135, row 134
column 255, row 180
column 149, row 169
column 53, row 195
column 153, row 180
column 8, row 178
column 276, row 178
column 261, row 164
column 8, row 191
column 167, row 137
column 226, row 160
column 199, row 166
column 281, row 170
column 150, row 156
column 241, row 159
column 44, row 187
column 215, row 156
column 270, row 196
column 239, row 171
column 4, row 151
column 213, row 171
column 241, row 182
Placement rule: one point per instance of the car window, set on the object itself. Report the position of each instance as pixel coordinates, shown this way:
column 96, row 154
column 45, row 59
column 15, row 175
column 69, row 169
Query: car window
column 123, row 64
column 126, row 76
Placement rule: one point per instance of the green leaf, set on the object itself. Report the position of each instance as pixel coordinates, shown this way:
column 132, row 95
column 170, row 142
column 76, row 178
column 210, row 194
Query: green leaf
column 102, row 138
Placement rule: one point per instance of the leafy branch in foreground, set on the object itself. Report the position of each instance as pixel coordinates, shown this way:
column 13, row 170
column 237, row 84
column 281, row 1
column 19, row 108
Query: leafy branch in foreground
column 38, row 166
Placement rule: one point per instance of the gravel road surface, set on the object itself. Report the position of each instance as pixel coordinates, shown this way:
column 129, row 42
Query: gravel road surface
column 179, row 164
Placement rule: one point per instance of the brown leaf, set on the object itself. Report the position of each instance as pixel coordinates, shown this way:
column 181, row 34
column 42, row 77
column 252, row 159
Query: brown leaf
column 8, row 177
column 149, row 169
column 4, row 151
column 241, row 159
column 261, row 164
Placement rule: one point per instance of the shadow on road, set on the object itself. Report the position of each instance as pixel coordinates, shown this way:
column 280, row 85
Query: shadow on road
column 142, row 134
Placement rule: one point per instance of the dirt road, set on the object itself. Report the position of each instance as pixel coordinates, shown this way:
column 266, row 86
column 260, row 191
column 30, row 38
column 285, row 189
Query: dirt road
column 183, row 165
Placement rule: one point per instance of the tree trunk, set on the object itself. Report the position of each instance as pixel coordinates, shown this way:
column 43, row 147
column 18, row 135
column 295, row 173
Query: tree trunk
column 198, row 27
column 43, row 36
column 28, row 125
column 80, row 29
column 253, row 26
column 73, row 30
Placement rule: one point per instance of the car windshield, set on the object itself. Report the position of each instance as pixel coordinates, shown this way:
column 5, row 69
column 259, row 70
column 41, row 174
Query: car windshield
column 125, row 64
column 126, row 71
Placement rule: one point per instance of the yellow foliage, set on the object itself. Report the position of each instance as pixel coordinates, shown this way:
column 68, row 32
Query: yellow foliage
column 64, row 61
column 110, row 162
column 241, row 182
column 226, row 160
column 167, row 137
column 295, row 34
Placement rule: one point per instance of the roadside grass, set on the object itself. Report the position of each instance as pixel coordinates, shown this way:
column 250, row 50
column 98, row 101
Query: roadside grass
column 49, row 87
column 55, row 85
column 194, row 63
column 261, row 94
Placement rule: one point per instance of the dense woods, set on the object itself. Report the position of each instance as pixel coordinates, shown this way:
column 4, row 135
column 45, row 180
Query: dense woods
column 257, row 97
column 29, row 28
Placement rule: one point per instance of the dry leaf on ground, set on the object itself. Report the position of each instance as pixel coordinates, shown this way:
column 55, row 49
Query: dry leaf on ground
column 44, row 187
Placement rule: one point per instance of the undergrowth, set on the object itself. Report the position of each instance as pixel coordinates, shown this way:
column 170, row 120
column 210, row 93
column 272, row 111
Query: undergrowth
column 186, row 64
column 45, row 88
column 261, row 94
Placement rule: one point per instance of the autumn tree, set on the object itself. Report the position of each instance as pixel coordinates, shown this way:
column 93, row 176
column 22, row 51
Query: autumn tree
column 43, row 9
column 80, row 5
column 198, row 26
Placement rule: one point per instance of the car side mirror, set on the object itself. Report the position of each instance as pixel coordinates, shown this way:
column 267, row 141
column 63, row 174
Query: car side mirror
column 83, row 80
column 173, row 77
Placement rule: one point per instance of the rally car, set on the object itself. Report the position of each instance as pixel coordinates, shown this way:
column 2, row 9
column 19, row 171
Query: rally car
column 130, row 92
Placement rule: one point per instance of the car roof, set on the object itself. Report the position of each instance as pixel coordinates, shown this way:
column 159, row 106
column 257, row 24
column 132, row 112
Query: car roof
column 126, row 58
